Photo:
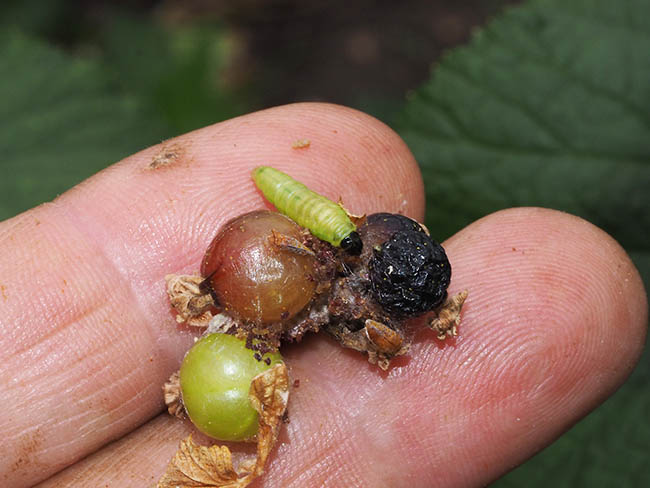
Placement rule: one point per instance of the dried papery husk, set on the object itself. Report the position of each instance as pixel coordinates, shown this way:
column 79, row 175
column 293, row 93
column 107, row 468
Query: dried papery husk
column 221, row 324
column 357, row 220
column 192, row 304
column 385, row 339
column 448, row 319
column 196, row 466
column 172, row 396
column 363, row 340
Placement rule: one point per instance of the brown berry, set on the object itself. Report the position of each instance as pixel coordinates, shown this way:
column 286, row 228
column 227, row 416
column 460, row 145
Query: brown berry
column 252, row 276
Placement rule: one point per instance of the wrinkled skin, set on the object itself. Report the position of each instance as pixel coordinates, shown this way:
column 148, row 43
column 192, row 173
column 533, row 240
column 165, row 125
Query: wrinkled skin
column 87, row 336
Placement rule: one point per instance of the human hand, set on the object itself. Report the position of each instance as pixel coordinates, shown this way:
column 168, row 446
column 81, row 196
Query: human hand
column 554, row 323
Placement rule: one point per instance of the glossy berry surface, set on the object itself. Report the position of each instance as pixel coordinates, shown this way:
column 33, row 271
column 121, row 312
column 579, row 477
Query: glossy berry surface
column 252, row 277
column 215, row 378
column 380, row 227
column 409, row 272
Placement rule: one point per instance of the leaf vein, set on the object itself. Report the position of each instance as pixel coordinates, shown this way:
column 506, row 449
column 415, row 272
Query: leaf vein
column 608, row 22
column 517, row 105
column 630, row 107
column 509, row 149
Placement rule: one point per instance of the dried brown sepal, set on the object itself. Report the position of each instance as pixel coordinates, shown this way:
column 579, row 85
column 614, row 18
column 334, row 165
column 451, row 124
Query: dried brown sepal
column 357, row 220
column 269, row 395
column 425, row 229
column 195, row 466
column 188, row 299
column 289, row 243
column 379, row 353
column 448, row 319
column 198, row 466
column 172, row 394
column 356, row 340
column 386, row 340
column 221, row 324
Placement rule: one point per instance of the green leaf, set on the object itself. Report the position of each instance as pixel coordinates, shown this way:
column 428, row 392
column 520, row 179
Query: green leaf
column 179, row 69
column 549, row 105
column 61, row 121
column 37, row 17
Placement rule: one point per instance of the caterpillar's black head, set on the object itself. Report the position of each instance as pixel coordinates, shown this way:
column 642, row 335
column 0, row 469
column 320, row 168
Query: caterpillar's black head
column 352, row 244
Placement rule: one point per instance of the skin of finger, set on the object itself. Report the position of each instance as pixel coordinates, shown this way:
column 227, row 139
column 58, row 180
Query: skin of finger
column 87, row 336
column 554, row 323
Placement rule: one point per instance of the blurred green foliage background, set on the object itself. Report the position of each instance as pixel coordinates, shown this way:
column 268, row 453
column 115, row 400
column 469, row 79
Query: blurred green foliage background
column 546, row 104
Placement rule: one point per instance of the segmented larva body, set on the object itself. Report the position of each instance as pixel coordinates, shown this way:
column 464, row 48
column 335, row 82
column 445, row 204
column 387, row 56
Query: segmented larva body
column 325, row 219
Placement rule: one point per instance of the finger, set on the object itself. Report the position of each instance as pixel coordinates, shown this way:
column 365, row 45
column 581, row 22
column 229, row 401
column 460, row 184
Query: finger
column 554, row 323
column 86, row 336
column 134, row 461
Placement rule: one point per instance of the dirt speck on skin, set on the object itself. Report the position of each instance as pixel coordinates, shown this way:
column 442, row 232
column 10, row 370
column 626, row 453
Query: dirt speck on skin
column 29, row 444
column 168, row 155
column 301, row 144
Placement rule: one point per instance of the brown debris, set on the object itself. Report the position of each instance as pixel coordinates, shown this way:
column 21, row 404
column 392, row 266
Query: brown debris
column 386, row 340
column 172, row 395
column 448, row 319
column 291, row 244
column 357, row 220
column 166, row 156
column 309, row 320
column 221, row 324
column 189, row 300
column 359, row 340
column 301, row 144
column 198, row 466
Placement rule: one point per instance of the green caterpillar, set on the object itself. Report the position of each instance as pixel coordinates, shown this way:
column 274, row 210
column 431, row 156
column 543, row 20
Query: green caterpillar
column 325, row 219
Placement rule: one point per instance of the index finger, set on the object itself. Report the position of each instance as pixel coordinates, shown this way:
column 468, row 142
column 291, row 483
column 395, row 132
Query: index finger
column 86, row 334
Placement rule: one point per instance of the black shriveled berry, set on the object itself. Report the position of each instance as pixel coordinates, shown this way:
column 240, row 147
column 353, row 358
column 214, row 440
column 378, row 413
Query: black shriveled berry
column 392, row 223
column 409, row 273
column 380, row 227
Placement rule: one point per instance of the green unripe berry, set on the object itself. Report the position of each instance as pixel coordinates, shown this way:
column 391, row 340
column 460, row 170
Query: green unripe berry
column 215, row 378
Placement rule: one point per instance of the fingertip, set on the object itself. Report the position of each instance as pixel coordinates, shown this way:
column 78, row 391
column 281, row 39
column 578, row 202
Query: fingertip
column 554, row 323
column 334, row 150
column 96, row 265
column 565, row 269
column 338, row 152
